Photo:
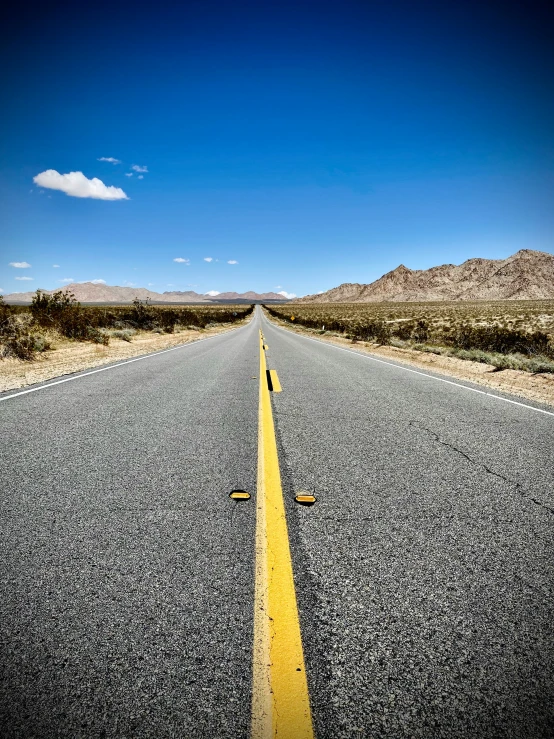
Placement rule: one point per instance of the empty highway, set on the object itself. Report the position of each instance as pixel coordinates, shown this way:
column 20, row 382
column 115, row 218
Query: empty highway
column 129, row 578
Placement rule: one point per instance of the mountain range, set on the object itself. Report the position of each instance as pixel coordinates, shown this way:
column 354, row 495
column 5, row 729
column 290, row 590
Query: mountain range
column 526, row 275
column 90, row 292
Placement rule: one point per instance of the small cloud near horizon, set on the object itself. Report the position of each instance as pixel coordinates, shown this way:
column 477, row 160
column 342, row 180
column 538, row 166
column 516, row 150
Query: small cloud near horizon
column 110, row 159
column 20, row 265
column 67, row 279
column 212, row 293
column 285, row 294
column 208, row 259
column 182, row 261
column 76, row 185
column 23, row 278
column 138, row 168
column 232, row 261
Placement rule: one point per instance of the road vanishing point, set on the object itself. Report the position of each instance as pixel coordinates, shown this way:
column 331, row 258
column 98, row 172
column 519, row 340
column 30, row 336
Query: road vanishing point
column 389, row 573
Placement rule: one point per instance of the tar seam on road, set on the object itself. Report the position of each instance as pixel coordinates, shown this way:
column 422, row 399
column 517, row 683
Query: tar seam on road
column 280, row 699
column 416, row 372
column 114, row 366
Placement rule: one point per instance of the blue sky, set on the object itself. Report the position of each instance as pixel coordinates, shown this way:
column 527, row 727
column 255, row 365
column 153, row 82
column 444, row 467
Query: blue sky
column 310, row 143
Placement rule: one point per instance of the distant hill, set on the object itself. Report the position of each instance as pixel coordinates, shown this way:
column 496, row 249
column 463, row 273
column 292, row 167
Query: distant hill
column 526, row 275
column 250, row 296
column 90, row 292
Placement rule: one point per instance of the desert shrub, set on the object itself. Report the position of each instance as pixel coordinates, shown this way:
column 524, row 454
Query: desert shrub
column 377, row 331
column 404, row 330
column 142, row 313
column 167, row 319
column 5, row 310
column 125, row 334
column 16, row 340
column 41, row 342
column 420, row 332
column 98, row 336
column 540, row 364
column 21, row 346
column 62, row 312
column 502, row 340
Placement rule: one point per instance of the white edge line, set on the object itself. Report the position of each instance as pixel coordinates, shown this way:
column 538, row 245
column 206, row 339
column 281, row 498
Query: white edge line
column 119, row 364
column 407, row 369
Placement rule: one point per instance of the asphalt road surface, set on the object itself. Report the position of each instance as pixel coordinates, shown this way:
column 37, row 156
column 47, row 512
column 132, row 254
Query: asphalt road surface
column 423, row 572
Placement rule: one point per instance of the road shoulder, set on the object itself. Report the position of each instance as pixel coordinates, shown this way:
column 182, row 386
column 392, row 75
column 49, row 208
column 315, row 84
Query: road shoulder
column 72, row 356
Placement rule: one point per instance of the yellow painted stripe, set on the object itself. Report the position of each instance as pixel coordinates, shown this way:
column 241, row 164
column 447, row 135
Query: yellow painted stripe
column 280, row 700
column 276, row 385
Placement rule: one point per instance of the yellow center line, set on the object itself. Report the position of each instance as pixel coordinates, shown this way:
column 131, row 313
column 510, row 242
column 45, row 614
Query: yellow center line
column 280, row 700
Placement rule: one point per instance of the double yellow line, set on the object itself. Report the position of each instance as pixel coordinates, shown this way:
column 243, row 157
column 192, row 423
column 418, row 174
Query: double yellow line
column 280, row 700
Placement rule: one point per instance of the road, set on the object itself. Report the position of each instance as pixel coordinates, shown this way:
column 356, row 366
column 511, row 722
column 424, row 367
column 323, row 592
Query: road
column 423, row 573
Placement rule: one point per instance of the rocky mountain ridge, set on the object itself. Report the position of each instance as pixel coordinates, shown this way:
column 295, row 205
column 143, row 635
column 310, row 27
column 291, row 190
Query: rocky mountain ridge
column 526, row 275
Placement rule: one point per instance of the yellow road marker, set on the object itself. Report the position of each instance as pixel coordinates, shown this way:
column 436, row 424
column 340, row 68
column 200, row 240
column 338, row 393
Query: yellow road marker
column 275, row 384
column 266, row 347
column 305, row 498
column 239, row 495
column 280, row 699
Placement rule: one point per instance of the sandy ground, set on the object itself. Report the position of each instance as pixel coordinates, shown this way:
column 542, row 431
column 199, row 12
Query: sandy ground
column 538, row 387
column 67, row 357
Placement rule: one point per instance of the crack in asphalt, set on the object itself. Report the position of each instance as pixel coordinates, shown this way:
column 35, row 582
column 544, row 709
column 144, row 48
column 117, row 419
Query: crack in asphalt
column 517, row 485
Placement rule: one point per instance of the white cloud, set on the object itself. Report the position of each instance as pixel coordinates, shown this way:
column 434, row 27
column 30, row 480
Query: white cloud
column 23, row 278
column 150, row 284
column 67, row 280
column 128, row 174
column 138, row 168
column 141, row 177
column 278, row 287
column 20, row 265
column 98, row 282
column 110, row 159
column 212, row 293
column 2, row 290
column 287, row 295
column 78, row 186
column 208, row 259
column 125, row 284
column 232, row 261
column 181, row 260
column 55, row 266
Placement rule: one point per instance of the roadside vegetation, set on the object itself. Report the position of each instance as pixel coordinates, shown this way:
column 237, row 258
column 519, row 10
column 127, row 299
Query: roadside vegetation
column 504, row 334
column 27, row 331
